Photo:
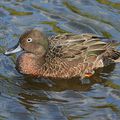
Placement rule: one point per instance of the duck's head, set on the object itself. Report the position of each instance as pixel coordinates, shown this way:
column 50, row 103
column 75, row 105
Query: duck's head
column 32, row 41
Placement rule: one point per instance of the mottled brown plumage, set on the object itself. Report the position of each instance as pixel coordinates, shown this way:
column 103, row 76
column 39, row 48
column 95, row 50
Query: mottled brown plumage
column 65, row 55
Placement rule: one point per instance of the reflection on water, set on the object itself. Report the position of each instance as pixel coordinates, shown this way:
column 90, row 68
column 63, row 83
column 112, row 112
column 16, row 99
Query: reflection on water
column 28, row 98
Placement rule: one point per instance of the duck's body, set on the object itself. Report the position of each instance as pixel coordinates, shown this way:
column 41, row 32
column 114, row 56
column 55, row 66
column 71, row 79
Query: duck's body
column 64, row 56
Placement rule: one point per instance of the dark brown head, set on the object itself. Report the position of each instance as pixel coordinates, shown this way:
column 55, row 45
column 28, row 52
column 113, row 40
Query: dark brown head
column 33, row 41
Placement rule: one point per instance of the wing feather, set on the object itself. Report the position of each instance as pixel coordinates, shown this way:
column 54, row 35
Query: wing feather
column 70, row 47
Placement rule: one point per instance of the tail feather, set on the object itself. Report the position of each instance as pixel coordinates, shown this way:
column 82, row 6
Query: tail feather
column 111, row 57
column 117, row 61
column 115, row 55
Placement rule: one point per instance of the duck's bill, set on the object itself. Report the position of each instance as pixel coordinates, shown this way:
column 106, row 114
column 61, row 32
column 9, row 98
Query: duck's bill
column 15, row 49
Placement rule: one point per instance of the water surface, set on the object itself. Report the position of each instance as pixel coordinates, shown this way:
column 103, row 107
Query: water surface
column 98, row 98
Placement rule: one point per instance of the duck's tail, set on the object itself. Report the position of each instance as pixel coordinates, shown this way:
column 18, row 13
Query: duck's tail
column 116, row 56
column 117, row 61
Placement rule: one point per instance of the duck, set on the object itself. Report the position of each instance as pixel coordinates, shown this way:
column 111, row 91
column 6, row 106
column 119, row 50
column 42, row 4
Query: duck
column 63, row 56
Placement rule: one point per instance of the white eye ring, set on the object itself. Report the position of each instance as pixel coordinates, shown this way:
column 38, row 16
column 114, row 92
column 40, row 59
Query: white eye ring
column 29, row 40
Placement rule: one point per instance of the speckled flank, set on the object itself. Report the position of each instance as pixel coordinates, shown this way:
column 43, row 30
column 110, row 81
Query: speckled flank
column 55, row 69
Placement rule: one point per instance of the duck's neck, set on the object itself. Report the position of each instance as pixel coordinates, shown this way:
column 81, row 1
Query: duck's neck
column 30, row 64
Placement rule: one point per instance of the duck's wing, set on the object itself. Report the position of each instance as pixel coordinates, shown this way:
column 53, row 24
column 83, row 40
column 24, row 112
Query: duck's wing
column 82, row 47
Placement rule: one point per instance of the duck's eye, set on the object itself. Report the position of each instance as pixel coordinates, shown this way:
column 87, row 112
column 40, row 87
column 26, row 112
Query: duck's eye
column 29, row 40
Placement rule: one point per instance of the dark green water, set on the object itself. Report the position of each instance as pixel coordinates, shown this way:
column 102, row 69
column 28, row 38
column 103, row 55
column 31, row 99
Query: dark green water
column 25, row 98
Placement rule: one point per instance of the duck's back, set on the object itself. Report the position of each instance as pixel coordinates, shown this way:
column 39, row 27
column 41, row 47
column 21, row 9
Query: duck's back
column 72, row 55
